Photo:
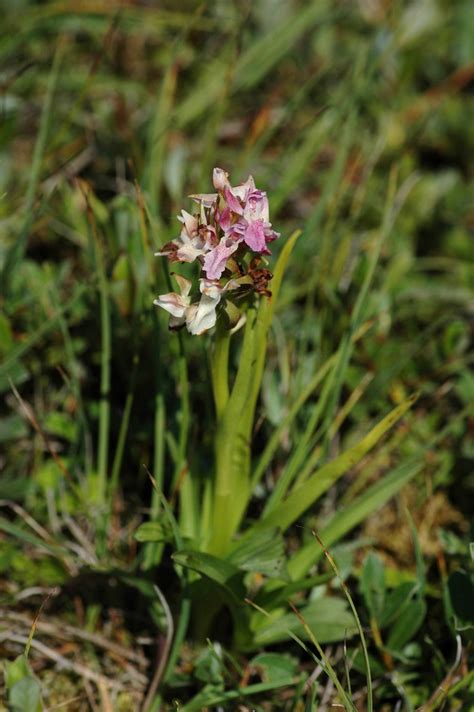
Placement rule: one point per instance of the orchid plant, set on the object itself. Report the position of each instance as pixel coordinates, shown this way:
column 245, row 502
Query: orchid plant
column 228, row 236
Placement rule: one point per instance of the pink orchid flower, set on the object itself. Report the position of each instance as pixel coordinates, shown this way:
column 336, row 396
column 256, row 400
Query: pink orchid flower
column 198, row 317
column 215, row 260
column 232, row 218
column 196, row 238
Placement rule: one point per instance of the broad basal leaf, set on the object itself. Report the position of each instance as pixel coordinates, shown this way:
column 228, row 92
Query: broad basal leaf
column 328, row 618
column 264, row 553
column 218, row 570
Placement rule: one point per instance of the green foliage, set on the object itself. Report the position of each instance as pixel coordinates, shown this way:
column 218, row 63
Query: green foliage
column 24, row 693
column 328, row 618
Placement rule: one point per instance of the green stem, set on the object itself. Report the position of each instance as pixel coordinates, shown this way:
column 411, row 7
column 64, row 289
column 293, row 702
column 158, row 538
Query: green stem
column 154, row 550
column 220, row 370
column 232, row 449
column 106, row 341
column 188, row 489
column 122, row 436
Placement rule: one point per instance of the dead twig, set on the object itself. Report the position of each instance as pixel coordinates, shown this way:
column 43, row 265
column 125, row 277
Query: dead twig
column 62, row 631
column 63, row 663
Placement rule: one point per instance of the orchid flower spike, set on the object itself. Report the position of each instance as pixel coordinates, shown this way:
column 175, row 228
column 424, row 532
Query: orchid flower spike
column 226, row 236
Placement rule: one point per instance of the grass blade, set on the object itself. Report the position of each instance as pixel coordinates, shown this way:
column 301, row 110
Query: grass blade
column 15, row 255
column 319, row 482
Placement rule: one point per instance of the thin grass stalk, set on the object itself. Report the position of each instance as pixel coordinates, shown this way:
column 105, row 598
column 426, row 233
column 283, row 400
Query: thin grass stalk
column 357, row 620
column 75, row 383
column 123, row 430
column 185, row 608
column 105, row 378
column 255, row 145
column 346, row 348
column 157, row 138
column 329, row 190
column 22, row 349
column 323, row 660
column 303, row 497
column 314, row 458
column 328, row 669
column 274, row 441
column 16, row 252
column 352, row 515
column 301, row 452
column 100, row 488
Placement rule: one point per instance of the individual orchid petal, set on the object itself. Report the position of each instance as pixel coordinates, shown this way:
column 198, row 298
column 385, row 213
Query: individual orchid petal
column 176, row 322
column 183, row 284
column 189, row 221
column 169, row 250
column 211, row 288
column 206, row 199
column 232, row 201
column 220, row 179
column 270, row 234
column 236, row 231
column 203, row 317
column 225, row 219
column 256, row 207
column 173, row 303
column 214, row 261
column 188, row 252
column 242, row 191
column 209, row 237
column 255, row 236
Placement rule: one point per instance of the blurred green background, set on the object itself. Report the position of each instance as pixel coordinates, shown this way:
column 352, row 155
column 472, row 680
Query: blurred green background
column 352, row 116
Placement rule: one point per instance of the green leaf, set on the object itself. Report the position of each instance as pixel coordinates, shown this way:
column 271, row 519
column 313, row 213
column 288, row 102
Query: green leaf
column 10, row 368
column 328, row 618
column 12, row 427
column 376, row 667
column 16, row 670
column 349, row 517
column 407, row 625
column 29, row 538
column 301, row 498
column 264, row 552
column 273, row 667
column 218, row 570
column 209, row 665
column 232, row 488
column 373, row 585
column 461, row 594
column 211, row 697
column 25, row 696
column 420, row 564
column 24, row 692
column 396, row 601
column 16, row 251
column 154, row 531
